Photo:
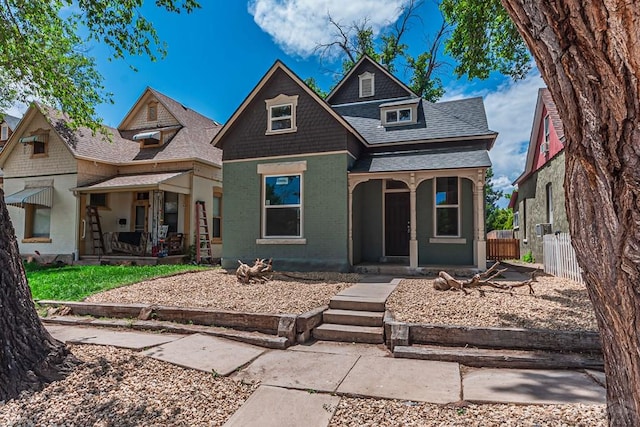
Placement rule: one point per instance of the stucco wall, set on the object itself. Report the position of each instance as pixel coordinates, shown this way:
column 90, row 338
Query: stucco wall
column 535, row 193
column 324, row 204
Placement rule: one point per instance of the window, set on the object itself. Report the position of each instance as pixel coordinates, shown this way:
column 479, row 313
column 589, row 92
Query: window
column 170, row 211
column 398, row 116
column 216, row 214
column 98, row 199
column 282, row 206
column 549, row 204
column 516, row 220
column 38, row 144
column 281, row 114
column 37, row 221
column 524, row 220
column 152, row 111
column 447, row 207
column 367, row 84
column 4, row 132
column 546, row 128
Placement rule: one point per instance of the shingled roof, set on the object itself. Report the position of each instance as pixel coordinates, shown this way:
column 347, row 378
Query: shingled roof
column 192, row 141
column 459, row 119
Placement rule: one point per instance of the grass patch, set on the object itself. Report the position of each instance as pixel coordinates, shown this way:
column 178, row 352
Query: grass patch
column 76, row 282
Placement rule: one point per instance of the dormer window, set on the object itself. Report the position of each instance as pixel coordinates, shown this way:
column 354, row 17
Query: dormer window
column 149, row 139
column 398, row 116
column 281, row 114
column 367, row 84
column 152, row 111
column 4, row 132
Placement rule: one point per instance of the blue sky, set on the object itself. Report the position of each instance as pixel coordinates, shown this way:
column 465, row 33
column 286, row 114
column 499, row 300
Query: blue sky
column 217, row 54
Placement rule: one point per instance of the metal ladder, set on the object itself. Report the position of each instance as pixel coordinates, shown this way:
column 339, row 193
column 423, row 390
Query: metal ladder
column 203, row 245
column 96, row 230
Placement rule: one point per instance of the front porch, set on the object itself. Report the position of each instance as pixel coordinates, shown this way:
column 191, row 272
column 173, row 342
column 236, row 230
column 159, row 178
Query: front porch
column 413, row 222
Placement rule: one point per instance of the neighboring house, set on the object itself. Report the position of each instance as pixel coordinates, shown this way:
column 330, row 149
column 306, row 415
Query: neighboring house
column 538, row 203
column 373, row 174
column 158, row 162
column 7, row 126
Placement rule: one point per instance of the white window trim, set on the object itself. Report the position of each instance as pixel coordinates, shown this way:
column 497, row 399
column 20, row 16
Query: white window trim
column 279, row 169
column 546, row 128
column 365, row 76
column 4, row 132
column 398, row 122
column 440, row 238
column 516, row 220
column 281, row 101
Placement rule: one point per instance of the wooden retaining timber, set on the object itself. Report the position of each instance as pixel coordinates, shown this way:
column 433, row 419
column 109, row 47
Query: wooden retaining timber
column 294, row 328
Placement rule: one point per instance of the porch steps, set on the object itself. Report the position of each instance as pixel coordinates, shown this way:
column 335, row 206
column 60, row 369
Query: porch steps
column 499, row 358
column 349, row 333
column 356, row 314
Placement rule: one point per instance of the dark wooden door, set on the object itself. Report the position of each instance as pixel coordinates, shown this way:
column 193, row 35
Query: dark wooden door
column 397, row 219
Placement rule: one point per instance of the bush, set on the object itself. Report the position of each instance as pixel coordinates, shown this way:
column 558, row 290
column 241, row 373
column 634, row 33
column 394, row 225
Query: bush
column 528, row 257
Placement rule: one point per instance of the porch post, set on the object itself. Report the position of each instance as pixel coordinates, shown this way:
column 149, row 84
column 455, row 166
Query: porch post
column 413, row 242
column 350, row 222
column 480, row 250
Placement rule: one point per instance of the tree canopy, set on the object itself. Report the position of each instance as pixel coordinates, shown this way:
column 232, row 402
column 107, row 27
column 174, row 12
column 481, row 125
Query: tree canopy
column 44, row 56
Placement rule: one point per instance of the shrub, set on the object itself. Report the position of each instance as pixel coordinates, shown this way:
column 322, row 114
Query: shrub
column 528, row 257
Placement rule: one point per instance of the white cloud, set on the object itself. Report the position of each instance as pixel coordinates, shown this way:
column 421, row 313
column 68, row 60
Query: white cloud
column 510, row 108
column 298, row 26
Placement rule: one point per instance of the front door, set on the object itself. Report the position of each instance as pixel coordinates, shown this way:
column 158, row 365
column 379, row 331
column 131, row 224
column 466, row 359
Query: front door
column 140, row 215
column 397, row 229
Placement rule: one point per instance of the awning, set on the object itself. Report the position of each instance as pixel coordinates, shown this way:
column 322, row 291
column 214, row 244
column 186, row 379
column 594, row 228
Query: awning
column 147, row 135
column 27, row 139
column 40, row 196
column 176, row 182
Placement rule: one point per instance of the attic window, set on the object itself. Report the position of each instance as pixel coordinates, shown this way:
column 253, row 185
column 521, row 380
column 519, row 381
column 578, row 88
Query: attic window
column 4, row 132
column 367, row 84
column 398, row 116
column 152, row 111
column 149, row 139
column 281, row 114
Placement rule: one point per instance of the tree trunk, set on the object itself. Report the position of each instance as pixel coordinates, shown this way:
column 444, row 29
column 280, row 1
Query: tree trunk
column 588, row 53
column 29, row 356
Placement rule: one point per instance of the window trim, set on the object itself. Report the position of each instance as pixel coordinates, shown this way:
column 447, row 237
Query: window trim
column 154, row 117
column 549, row 202
column 397, row 122
column 29, row 218
column 458, row 206
column 367, row 76
column 4, row 132
column 265, row 207
column 547, row 128
column 42, row 138
column 282, row 100
column 217, row 193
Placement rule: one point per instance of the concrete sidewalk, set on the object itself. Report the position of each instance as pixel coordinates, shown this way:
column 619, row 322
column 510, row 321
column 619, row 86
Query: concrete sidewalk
column 332, row 369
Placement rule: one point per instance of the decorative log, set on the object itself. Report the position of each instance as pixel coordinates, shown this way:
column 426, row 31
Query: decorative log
column 258, row 272
column 445, row 281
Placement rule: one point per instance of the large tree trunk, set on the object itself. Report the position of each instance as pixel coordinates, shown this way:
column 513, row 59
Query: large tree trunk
column 29, row 356
column 589, row 55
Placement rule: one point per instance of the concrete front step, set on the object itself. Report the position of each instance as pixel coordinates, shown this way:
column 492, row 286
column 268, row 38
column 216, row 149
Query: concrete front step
column 516, row 359
column 340, row 302
column 349, row 333
column 353, row 317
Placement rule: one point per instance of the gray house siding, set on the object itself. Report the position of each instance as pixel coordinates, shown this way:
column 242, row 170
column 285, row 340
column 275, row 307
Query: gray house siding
column 443, row 253
column 534, row 190
column 385, row 87
column 367, row 221
column 324, row 213
column 317, row 130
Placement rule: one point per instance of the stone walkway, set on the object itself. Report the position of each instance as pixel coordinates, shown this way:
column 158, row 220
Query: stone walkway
column 302, row 385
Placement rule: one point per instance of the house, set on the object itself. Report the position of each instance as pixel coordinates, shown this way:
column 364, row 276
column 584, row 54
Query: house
column 8, row 124
column 143, row 178
column 372, row 174
column 538, row 203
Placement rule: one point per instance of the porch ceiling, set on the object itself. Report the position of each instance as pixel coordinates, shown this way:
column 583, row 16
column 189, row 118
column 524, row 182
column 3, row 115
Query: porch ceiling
column 157, row 181
column 439, row 158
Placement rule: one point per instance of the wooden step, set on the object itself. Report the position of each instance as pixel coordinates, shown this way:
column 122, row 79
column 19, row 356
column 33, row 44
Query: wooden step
column 353, row 317
column 340, row 302
column 349, row 333
column 517, row 359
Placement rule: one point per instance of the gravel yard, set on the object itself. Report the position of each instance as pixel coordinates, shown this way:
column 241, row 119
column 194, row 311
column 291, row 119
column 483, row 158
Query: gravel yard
column 219, row 290
column 557, row 304
column 122, row 388
column 357, row 412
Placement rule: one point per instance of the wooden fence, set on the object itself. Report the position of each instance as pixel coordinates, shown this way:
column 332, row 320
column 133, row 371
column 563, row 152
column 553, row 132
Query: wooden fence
column 503, row 249
column 560, row 258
